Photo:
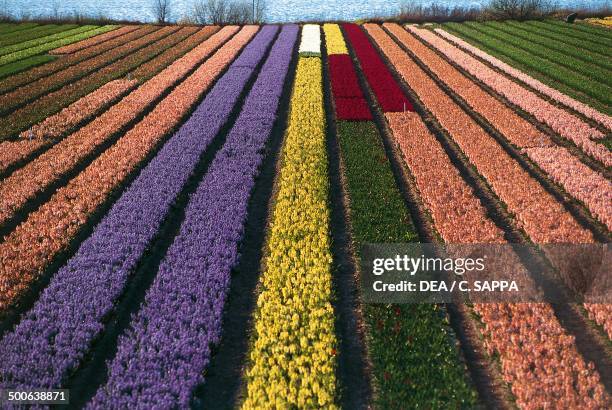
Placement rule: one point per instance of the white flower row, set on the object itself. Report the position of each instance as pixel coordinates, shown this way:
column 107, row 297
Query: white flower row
column 311, row 40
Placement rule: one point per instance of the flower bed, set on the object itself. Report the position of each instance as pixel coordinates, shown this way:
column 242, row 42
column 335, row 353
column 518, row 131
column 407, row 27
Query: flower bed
column 89, row 289
column 348, row 97
column 530, row 342
column 388, row 93
column 60, row 64
column 64, row 93
column 23, row 45
column 91, row 105
column 585, row 185
column 334, row 41
column 213, row 227
column 46, row 45
column 34, row 33
column 55, row 223
column 90, row 42
column 561, row 121
column 292, row 357
column 310, row 45
column 557, row 96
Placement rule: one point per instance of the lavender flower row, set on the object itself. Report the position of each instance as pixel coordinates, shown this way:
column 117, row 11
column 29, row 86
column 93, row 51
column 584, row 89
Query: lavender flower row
column 162, row 357
column 55, row 334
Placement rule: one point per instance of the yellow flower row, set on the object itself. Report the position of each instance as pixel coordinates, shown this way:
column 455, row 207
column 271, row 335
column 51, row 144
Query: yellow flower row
column 606, row 21
column 334, row 41
column 293, row 355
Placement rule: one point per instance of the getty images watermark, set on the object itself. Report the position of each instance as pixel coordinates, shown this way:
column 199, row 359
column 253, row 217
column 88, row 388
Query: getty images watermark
column 430, row 273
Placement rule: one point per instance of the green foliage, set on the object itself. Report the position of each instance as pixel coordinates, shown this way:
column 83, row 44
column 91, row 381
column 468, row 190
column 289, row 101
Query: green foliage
column 567, row 31
column 6, row 28
column 46, row 45
column 34, row 33
column 22, row 65
column 416, row 364
column 561, row 78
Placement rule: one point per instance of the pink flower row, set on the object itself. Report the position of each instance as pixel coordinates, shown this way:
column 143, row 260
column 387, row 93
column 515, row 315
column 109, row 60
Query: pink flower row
column 73, row 48
column 557, row 96
column 537, row 357
column 29, row 248
column 25, row 183
column 535, row 210
column 576, row 178
column 43, row 134
column 564, row 123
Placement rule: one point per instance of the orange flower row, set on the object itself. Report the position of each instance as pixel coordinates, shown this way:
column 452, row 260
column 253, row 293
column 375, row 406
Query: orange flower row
column 51, row 103
column 49, row 230
column 577, row 179
column 90, row 42
column 537, row 357
column 33, row 74
column 14, row 152
column 25, row 183
column 535, row 210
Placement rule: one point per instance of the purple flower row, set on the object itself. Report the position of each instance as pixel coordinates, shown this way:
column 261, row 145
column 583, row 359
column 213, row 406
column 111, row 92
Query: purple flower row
column 56, row 333
column 162, row 357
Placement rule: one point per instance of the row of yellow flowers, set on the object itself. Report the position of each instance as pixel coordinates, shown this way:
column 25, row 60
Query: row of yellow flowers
column 292, row 358
column 334, row 40
column 606, row 21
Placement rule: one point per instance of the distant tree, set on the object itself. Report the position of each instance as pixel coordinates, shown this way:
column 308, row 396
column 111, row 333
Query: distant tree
column 162, row 9
column 228, row 11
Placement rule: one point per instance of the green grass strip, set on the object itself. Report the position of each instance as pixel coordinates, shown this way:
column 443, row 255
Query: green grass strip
column 566, row 47
column 553, row 57
column 22, row 65
column 567, row 31
column 11, row 27
column 34, row 33
column 567, row 81
column 415, row 363
column 20, row 55
column 23, row 45
column 594, row 49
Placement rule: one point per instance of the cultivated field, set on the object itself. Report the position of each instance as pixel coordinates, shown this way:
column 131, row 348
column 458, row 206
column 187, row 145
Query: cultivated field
column 182, row 211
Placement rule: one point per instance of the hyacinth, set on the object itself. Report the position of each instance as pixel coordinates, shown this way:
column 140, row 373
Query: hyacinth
column 292, row 357
column 40, row 45
column 56, row 222
column 198, row 264
column 388, row 93
column 125, row 232
column 310, row 44
column 56, row 67
column 90, row 42
column 334, row 41
column 46, row 96
column 576, row 178
column 518, row 333
column 564, row 123
column 558, row 96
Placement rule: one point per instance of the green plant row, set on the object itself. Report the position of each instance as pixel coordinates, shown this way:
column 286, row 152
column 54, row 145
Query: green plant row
column 23, row 45
column 34, row 33
column 594, row 49
column 568, row 31
column 597, row 32
column 46, row 46
column 553, row 57
column 415, row 364
column 22, row 65
column 8, row 28
column 578, row 52
column 567, row 81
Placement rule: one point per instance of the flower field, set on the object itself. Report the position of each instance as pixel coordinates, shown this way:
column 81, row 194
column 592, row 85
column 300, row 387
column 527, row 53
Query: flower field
column 164, row 187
